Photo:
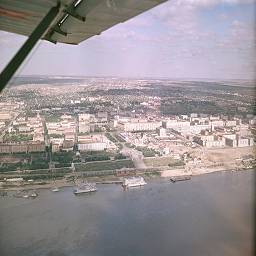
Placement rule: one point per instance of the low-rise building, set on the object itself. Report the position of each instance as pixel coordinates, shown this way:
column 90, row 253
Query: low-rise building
column 210, row 140
column 68, row 145
column 239, row 141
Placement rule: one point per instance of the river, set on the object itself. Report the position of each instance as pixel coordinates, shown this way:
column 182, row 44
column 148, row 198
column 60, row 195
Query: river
column 209, row 215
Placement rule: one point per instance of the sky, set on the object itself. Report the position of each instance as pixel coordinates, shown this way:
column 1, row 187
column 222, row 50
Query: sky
column 211, row 39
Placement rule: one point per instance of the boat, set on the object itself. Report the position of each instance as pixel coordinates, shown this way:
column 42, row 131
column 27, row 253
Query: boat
column 85, row 188
column 33, row 194
column 134, row 182
column 3, row 193
column 180, row 178
column 54, row 186
column 55, row 189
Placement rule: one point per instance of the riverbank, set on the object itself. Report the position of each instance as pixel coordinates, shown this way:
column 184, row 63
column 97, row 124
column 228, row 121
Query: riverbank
column 111, row 179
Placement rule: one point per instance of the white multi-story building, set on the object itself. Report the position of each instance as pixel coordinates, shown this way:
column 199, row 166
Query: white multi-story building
column 231, row 136
column 214, row 118
column 94, row 143
column 5, row 116
column 217, row 123
column 230, row 123
column 196, row 129
column 193, row 115
column 177, row 125
column 24, row 129
column 141, row 125
column 242, row 142
column 92, row 146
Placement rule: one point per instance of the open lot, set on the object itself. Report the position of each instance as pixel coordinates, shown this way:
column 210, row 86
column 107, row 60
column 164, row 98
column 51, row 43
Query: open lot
column 228, row 154
column 161, row 161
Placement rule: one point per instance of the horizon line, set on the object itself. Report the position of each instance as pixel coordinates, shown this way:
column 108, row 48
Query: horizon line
column 136, row 77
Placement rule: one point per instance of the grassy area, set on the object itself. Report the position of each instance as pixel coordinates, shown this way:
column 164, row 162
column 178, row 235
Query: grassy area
column 147, row 152
column 62, row 157
column 52, row 172
column 18, row 137
column 111, row 138
column 162, row 161
column 40, row 174
column 100, row 156
column 119, row 138
column 120, row 156
column 90, row 156
column 56, row 136
column 105, row 165
column 44, row 176
column 152, row 174
column 6, row 167
column 83, row 133
column 52, row 118
column 60, row 165
column 129, row 145
column 177, row 163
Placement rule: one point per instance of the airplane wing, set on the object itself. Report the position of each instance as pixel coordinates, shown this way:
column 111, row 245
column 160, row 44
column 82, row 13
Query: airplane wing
column 76, row 20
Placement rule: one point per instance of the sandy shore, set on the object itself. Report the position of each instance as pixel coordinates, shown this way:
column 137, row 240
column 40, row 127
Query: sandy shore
column 197, row 171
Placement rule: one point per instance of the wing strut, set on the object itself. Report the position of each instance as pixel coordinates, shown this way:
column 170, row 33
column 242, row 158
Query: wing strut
column 23, row 52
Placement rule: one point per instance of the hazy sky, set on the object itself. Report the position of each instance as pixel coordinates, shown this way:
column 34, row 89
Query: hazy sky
column 180, row 38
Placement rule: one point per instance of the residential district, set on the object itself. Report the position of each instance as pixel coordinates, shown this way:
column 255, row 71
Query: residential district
column 83, row 129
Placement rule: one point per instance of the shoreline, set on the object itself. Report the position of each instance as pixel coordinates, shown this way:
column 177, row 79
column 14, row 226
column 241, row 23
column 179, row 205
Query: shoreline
column 117, row 180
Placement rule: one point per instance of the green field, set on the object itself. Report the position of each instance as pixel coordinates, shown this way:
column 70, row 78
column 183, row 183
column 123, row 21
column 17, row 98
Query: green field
column 105, row 165
column 110, row 137
column 17, row 137
column 147, row 152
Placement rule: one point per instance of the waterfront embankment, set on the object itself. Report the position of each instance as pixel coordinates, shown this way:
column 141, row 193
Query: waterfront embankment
column 112, row 179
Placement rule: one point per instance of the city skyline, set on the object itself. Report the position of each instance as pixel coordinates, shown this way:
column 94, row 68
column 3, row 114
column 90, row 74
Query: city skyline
column 188, row 39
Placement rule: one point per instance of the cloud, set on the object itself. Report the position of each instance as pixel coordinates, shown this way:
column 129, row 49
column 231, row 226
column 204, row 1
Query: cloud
column 210, row 3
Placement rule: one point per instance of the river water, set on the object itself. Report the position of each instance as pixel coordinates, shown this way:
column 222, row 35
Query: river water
column 208, row 215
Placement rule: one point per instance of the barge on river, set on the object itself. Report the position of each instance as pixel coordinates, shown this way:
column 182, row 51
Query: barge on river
column 180, row 178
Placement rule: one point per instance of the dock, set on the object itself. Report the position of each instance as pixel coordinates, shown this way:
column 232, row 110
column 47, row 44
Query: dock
column 180, row 178
column 109, row 182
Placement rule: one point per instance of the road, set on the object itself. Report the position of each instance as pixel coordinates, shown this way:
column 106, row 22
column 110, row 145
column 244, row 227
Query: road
column 135, row 155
